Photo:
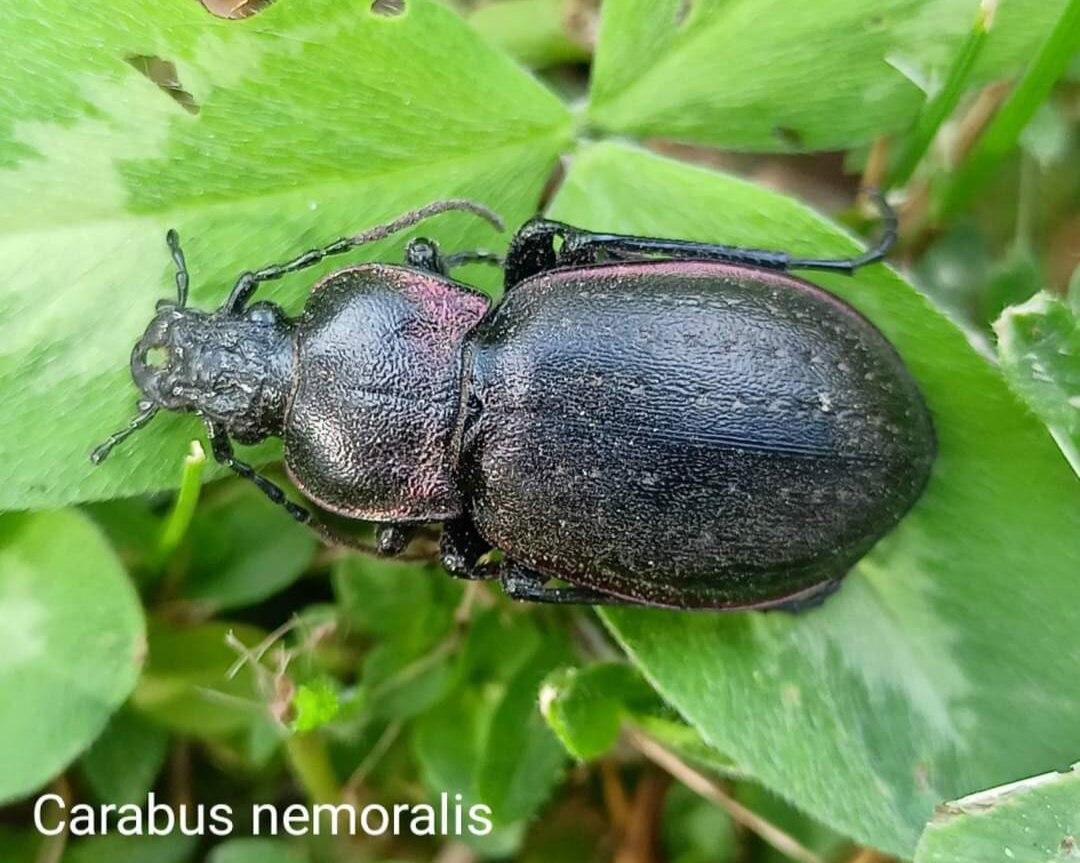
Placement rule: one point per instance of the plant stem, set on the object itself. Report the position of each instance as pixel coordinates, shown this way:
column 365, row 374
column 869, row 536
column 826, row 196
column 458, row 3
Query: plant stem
column 311, row 765
column 1001, row 136
column 52, row 847
column 702, row 785
column 179, row 518
column 941, row 104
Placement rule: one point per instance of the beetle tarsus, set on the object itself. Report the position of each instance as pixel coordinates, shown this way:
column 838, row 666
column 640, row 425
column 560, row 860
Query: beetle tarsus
column 147, row 412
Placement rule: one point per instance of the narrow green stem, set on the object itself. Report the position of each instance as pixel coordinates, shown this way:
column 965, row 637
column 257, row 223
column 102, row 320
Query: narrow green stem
column 1003, row 132
column 1027, row 204
column 311, row 765
column 940, row 105
column 179, row 518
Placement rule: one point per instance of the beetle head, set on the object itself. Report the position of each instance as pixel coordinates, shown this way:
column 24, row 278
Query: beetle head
column 230, row 368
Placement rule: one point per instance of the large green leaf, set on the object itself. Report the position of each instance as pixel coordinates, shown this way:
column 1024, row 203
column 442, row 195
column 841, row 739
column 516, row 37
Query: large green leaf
column 71, row 643
column 776, row 75
column 947, row 662
column 313, row 120
column 1035, row 820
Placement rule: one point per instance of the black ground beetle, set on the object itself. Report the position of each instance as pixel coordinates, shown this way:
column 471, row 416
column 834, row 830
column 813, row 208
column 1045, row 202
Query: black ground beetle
column 653, row 422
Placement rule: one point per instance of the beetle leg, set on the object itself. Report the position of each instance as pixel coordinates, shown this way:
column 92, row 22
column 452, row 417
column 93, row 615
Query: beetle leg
column 461, row 548
column 221, row 447
column 247, row 283
column 809, row 600
column 391, row 539
column 477, row 256
column 533, row 249
column 529, row 586
column 424, row 254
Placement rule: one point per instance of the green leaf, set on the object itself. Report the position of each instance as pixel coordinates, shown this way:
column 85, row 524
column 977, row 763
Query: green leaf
column 401, row 681
column 71, row 643
column 124, row 762
column 314, row 120
column 447, row 742
column 905, row 688
column 19, row 846
column 395, row 599
column 315, row 704
column 186, row 686
column 256, row 851
column 488, row 740
column 115, row 848
column 1039, row 350
column 243, row 549
column 532, row 31
column 695, row 830
column 585, row 707
column 1034, row 820
column 777, row 75
column 521, row 759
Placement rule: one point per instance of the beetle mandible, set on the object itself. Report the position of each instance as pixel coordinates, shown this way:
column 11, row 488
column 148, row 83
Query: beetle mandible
column 649, row 421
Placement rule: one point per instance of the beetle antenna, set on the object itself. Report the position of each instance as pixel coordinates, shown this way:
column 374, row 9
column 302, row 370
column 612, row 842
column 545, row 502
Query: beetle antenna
column 247, row 283
column 147, row 411
column 173, row 239
column 413, row 217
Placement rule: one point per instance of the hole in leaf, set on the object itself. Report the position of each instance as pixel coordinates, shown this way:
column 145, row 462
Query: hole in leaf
column 390, row 8
column 791, row 137
column 234, row 8
column 163, row 73
column 683, row 12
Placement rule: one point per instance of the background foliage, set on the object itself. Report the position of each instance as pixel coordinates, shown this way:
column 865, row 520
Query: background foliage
column 205, row 647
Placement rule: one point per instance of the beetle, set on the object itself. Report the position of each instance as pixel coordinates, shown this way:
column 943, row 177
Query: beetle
column 650, row 422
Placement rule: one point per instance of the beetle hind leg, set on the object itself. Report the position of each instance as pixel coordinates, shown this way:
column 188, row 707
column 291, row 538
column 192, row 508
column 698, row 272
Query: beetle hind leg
column 542, row 245
column 527, row 585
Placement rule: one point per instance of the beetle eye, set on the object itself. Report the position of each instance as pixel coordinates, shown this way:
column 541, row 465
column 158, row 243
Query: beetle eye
column 162, row 305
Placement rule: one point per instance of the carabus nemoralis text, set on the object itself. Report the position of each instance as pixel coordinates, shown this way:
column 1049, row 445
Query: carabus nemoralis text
column 651, row 422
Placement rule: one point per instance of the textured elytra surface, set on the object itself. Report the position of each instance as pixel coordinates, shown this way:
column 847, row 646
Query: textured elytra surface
column 688, row 434
column 905, row 688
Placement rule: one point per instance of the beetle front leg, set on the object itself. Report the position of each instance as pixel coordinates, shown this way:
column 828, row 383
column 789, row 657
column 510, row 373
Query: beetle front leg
column 221, row 447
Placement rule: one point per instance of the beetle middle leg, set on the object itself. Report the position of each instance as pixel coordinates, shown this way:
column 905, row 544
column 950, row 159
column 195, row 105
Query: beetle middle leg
column 424, row 254
column 461, row 548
